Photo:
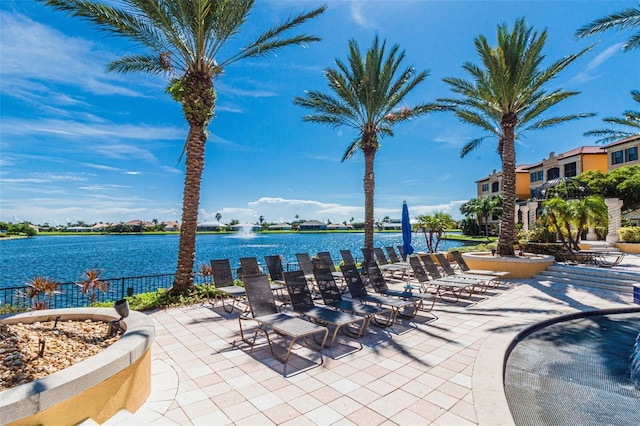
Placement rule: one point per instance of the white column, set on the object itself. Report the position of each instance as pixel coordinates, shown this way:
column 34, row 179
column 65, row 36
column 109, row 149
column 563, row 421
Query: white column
column 591, row 234
column 525, row 217
column 614, row 205
column 533, row 206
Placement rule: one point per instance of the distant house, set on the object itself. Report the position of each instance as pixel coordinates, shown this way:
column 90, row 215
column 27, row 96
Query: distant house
column 313, row 225
column 280, row 227
column 100, row 227
column 77, row 229
column 338, row 227
column 392, row 225
column 138, row 225
column 207, row 226
column 171, row 225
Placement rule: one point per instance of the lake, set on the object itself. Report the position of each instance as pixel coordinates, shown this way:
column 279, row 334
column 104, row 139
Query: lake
column 65, row 258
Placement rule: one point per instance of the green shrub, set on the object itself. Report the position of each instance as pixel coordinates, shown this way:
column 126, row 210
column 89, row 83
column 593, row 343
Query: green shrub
column 478, row 247
column 541, row 234
column 9, row 309
column 550, row 249
column 629, row 234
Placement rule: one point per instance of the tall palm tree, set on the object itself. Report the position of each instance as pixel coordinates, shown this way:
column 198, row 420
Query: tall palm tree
column 628, row 18
column 505, row 98
column 184, row 39
column 630, row 122
column 367, row 96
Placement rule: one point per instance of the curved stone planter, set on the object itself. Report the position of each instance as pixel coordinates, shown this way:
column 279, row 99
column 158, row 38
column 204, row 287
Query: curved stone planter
column 96, row 388
column 518, row 266
column 633, row 248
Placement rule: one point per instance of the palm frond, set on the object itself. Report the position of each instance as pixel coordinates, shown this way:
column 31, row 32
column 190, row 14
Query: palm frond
column 608, row 135
column 271, row 39
column 352, row 149
column 145, row 63
column 630, row 120
column 116, row 22
column 541, row 124
column 628, row 18
column 470, row 146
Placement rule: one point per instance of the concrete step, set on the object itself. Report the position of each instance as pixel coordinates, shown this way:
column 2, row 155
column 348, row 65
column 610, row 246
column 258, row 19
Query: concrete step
column 603, row 278
column 594, row 271
column 627, row 289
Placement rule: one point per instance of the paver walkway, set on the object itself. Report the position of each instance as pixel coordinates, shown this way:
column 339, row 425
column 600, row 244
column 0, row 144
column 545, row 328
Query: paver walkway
column 415, row 373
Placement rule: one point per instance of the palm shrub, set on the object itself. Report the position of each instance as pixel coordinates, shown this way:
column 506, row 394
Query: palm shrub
column 41, row 292
column 93, row 285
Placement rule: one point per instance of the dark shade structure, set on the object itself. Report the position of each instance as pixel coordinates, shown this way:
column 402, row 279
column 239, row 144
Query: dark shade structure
column 564, row 187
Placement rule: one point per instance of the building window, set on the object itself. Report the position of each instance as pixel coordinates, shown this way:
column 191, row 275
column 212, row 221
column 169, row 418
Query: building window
column 485, row 187
column 537, row 176
column 553, row 173
column 495, row 187
column 631, row 154
column 616, row 157
column 570, row 170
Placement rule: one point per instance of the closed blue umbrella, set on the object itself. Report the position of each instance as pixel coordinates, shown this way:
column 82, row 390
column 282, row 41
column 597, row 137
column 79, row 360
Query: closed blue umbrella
column 406, row 230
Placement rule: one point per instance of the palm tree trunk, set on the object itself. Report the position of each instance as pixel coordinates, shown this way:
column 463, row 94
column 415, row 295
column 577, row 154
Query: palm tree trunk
column 369, row 188
column 486, row 226
column 198, row 101
column 190, row 200
column 556, row 225
column 508, row 157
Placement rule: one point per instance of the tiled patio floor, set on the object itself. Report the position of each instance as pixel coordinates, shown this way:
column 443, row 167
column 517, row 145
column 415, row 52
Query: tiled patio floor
column 415, row 373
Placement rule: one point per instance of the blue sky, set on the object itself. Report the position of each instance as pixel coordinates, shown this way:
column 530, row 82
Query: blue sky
column 79, row 143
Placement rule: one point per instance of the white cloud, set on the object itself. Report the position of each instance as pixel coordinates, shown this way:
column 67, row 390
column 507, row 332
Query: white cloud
column 34, row 127
column 589, row 73
column 357, row 15
column 604, row 55
column 54, row 58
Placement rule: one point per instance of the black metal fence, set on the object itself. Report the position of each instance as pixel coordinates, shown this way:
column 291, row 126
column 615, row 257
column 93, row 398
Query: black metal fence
column 70, row 294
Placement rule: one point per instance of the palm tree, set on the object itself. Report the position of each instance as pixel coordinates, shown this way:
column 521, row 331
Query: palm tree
column 628, row 18
column 505, row 98
column 368, row 93
column 432, row 227
column 556, row 213
column 218, row 217
column 483, row 209
column 592, row 211
column 630, row 120
column 569, row 218
column 184, row 39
